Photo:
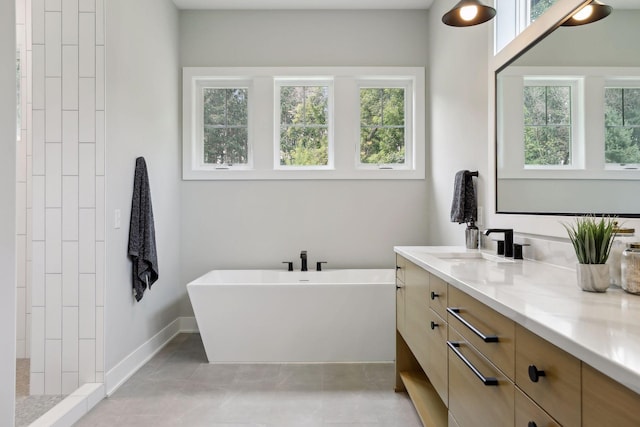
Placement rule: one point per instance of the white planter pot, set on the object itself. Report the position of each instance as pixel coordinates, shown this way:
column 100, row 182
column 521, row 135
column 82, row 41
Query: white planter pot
column 593, row 277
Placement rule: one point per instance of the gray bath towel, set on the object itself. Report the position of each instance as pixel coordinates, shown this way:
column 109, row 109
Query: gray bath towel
column 142, row 234
column 464, row 206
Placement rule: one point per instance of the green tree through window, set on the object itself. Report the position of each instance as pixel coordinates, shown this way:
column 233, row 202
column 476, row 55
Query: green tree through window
column 622, row 125
column 538, row 7
column 304, row 125
column 382, row 125
column 225, row 126
column 547, row 125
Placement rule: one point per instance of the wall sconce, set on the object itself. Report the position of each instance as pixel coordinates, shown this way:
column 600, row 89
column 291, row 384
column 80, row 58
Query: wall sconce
column 592, row 12
column 467, row 13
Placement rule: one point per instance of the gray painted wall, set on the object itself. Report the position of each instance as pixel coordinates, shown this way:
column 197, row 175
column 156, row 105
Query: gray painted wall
column 611, row 42
column 143, row 113
column 458, row 77
column 259, row 224
column 7, row 211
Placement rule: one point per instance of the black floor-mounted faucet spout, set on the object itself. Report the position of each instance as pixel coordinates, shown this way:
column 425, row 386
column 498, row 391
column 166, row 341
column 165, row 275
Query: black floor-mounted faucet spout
column 303, row 257
column 508, row 239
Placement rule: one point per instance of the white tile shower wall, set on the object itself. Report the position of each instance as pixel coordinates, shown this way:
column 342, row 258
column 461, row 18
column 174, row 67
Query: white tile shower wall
column 65, row 161
column 23, row 182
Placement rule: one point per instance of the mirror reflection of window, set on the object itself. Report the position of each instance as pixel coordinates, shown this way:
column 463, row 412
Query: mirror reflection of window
column 547, row 125
column 622, row 126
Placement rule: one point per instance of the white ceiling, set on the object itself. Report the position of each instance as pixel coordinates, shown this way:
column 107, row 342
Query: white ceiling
column 302, row 4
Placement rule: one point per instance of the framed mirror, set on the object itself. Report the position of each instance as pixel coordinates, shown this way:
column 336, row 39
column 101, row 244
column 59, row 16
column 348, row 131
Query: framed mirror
column 568, row 121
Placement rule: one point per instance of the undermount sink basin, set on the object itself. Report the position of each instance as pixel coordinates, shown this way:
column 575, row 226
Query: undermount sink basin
column 470, row 257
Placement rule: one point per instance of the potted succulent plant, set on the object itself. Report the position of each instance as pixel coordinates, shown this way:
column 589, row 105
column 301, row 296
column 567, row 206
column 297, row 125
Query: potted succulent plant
column 592, row 239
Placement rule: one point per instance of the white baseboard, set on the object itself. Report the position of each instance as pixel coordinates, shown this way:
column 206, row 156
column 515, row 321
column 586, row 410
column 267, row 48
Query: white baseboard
column 128, row 366
column 76, row 405
column 188, row 325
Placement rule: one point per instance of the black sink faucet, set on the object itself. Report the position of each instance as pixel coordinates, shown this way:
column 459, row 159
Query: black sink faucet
column 303, row 257
column 508, row 239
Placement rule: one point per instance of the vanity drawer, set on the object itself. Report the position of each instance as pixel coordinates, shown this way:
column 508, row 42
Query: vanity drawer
column 471, row 402
column 438, row 295
column 527, row 412
column 489, row 331
column 607, row 403
column 416, row 280
column 549, row 375
column 437, row 362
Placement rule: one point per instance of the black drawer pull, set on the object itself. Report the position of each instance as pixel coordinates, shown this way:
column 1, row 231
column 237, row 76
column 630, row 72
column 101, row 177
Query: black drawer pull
column 453, row 345
column 399, row 285
column 486, row 338
column 434, row 325
column 535, row 374
column 434, row 295
column 532, row 424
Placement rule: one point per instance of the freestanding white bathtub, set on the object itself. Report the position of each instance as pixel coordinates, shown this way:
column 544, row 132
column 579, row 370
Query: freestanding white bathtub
column 257, row 316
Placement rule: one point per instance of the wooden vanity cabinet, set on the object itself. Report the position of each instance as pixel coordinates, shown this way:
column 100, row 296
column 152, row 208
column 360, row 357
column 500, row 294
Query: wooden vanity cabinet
column 607, row 403
column 473, row 400
column 401, row 266
column 416, row 320
column 527, row 412
column 465, row 314
column 549, row 376
column 439, row 339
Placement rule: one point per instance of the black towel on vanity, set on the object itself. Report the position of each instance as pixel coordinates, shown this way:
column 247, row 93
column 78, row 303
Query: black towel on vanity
column 142, row 234
column 464, row 208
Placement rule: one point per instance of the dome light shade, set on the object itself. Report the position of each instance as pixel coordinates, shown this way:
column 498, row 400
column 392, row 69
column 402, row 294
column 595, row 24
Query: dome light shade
column 592, row 12
column 467, row 13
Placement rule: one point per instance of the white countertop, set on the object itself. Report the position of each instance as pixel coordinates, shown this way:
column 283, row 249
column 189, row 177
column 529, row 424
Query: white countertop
column 601, row 329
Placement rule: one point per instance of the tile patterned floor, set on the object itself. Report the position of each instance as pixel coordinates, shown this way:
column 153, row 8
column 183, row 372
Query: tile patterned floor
column 179, row 388
column 30, row 408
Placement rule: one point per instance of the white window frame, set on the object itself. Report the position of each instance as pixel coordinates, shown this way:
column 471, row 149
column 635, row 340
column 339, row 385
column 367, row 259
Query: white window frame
column 280, row 82
column 577, row 112
column 407, row 85
column 199, row 121
column 593, row 80
column 344, row 119
column 620, row 83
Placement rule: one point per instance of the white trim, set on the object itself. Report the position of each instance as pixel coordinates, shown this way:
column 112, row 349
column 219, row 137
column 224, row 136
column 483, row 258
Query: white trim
column 128, row 366
column 345, row 125
column 73, row 407
column 80, row 402
column 409, row 141
column 588, row 123
column 198, row 132
column 278, row 84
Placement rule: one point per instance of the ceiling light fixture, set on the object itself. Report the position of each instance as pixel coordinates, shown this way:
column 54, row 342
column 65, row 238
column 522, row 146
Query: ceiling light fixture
column 592, row 12
column 467, row 13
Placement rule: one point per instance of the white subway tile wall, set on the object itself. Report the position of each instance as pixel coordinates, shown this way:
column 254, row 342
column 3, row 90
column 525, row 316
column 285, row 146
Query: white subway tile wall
column 61, row 192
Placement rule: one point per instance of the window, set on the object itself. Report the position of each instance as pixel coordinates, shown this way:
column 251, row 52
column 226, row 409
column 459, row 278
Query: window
column 261, row 123
column 225, row 134
column 538, row 7
column 547, row 124
column 304, row 125
column 622, row 126
column 385, row 137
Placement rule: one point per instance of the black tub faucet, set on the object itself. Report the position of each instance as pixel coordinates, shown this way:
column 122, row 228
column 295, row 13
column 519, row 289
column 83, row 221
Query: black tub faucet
column 303, row 257
column 508, row 239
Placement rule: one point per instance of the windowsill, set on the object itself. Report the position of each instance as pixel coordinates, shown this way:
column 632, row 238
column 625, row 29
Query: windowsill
column 304, row 174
